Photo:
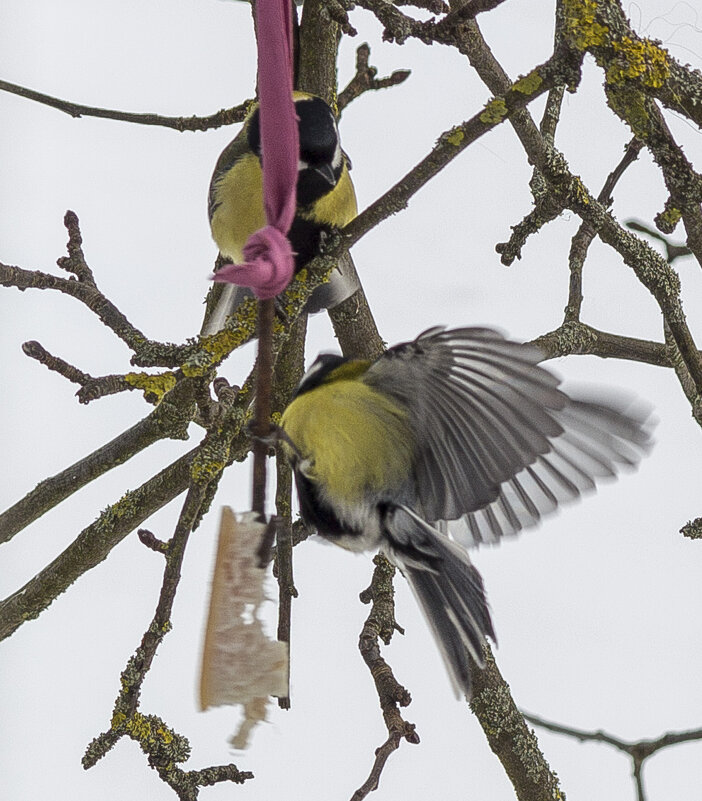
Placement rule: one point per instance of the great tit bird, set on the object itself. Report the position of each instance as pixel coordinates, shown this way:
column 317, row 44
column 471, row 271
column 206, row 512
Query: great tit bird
column 325, row 200
column 456, row 438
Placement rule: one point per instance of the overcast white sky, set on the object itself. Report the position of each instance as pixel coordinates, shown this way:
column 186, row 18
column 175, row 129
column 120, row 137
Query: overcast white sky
column 596, row 611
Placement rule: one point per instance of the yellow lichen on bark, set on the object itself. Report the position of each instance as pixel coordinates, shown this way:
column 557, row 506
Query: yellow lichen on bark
column 581, row 26
column 495, row 111
column 638, row 59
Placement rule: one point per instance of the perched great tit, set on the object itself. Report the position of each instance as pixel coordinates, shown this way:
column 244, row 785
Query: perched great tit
column 456, row 438
column 325, row 200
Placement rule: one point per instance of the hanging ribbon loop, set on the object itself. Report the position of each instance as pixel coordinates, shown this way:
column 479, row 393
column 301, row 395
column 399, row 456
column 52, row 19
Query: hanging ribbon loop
column 270, row 263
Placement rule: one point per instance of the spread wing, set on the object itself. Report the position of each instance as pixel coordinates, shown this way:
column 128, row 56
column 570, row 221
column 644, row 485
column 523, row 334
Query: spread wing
column 498, row 443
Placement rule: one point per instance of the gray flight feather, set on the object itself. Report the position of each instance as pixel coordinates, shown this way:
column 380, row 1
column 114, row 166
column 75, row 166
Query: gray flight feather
column 498, row 443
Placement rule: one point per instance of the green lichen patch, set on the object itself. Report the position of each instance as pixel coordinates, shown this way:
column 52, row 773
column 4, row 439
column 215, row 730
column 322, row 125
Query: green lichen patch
column 156, row 739
column 495, row 111
column 668, row 219
column 110, row 517
column 210, row 460
column 630, row 103
column 455, row 136
column 581, row 25
column 529, row 83
column 154, row 387
column 638, row 59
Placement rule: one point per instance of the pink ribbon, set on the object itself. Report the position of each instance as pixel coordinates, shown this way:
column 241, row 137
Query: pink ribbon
column 270, row 262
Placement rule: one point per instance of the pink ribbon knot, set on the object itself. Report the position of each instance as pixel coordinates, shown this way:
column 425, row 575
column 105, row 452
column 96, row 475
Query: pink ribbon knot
column 269, row 266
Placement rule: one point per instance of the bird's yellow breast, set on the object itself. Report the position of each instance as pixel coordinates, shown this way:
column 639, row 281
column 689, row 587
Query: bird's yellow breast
column 239, row 211
column 351, row 439
column 338, row 207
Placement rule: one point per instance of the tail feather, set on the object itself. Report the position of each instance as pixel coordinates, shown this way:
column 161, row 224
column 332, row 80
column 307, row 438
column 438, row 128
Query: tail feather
column 230, row 299
column 448, row 588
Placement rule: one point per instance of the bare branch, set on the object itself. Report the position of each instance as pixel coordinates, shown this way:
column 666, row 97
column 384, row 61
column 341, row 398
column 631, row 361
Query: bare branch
column 86, row 293
column 645, row 747
column 381, row 624
column 576, row 338
column 638, row 751
column 365, row 79
column 586, row 233
column 169, row 420
column 398, row 27
column 222, row 117
column 649, row 267
column 512, row 741
column 93, row 544
column 454, row 141
column 227, row 442
column 164, row 748
column 673, row 250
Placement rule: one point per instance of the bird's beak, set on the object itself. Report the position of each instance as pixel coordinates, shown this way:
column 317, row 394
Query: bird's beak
column 327, row 172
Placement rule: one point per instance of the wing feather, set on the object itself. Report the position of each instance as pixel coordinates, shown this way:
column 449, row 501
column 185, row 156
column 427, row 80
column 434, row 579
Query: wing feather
column 498, row 443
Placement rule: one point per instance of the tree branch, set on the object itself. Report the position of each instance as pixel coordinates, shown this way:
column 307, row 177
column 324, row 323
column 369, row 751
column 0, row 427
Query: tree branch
column 555, row 71
column 164, row 748
column 510, row 739
column 169, row 420
column 649, row 267
column 381, row 624
column 365, row 79
column 586, row 233
column 222, row 117
column 638, row 751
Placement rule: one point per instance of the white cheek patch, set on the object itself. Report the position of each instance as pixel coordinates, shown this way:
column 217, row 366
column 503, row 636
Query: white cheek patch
column 302, row 165
column 336, row 160
column 315, row 367
column 338, row 155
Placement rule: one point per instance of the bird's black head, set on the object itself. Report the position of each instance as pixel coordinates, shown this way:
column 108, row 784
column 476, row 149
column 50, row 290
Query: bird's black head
column 319, row 371
column 321, row 159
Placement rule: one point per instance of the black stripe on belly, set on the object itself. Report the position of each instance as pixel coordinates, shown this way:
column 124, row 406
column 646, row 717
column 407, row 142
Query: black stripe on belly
column 305, row 237
column 317, row 514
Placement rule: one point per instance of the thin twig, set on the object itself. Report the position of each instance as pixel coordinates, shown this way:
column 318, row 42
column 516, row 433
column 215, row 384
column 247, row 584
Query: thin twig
column 586, row 233
column 289, row 368
column 365, row 79
column 262, row 407
column 381, row 624
column 37, row 352
column 164, row 748
column 454, row 141
column 638, row 751
column 86, row 293
column 222, row 117
column 75, row 261
column 673, row 250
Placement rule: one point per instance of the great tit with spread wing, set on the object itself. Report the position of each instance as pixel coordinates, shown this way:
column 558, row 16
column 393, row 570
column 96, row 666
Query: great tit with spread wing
column 325, row 200
column 456, row 438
